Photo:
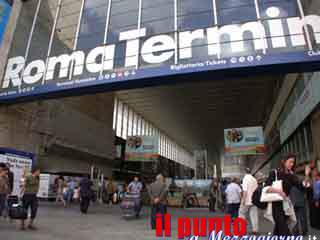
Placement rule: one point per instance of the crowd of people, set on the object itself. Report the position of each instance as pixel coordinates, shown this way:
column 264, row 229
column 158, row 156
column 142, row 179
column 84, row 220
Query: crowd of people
column 67, row 190
column 29, row 190
column 297, row 196
column 235, row 197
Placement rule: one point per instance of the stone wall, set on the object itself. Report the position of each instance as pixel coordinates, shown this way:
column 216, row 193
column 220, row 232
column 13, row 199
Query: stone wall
column 68, row 134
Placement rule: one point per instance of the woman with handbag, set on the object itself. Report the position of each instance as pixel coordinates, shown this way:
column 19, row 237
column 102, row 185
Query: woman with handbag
column 284, row 175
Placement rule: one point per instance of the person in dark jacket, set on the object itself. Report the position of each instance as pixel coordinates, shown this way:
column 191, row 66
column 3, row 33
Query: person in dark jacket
column 158, row 195
column 313, row 195
column 289, row 179
column 213, row 196
column 10, row 175
column 10, row 180
column 297, row 197
column 85, row 194
column 30, row 199
column 4, row 188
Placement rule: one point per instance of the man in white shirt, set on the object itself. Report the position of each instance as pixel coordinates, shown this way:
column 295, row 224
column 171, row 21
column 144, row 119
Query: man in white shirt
column 249, row 185
column 233, row 196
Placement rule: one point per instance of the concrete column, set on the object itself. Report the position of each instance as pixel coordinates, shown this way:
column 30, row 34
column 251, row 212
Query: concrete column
column 66, row 135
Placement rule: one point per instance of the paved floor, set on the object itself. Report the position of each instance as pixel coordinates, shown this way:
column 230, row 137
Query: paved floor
column 102, row 223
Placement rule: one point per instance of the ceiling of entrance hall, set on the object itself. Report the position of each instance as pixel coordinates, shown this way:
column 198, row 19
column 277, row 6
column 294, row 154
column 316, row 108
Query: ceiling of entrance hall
column 196, row 113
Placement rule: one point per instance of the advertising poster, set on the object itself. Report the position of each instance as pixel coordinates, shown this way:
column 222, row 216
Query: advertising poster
column 200, row 187
column 19, row 165
column 5, row 10
column 47, row 186
column 44, row 186
column 142, row 148
column 244, row 141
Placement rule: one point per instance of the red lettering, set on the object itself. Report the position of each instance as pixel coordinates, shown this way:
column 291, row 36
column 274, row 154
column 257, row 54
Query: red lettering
column 200, row 227
column 167, row 225
column 227, row 225
column 159, row 225
column 202, row 232
column 184, row 227
column 163, row 223
column 239, row 227
column 215, row 224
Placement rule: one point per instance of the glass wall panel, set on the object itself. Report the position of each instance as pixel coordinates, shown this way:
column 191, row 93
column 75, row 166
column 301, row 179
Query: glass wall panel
column 24, row 25
column 232, row 12
column 195, row 14
column 157, row 16
column 93, row 24
column 23, row 29
column 64, row 37
column 124, row 16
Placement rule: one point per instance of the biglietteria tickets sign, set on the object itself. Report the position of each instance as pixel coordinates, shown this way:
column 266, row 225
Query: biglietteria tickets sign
column 263, row 44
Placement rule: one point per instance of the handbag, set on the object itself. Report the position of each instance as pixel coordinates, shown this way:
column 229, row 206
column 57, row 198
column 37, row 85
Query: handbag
column 272, row 197
column 256, row 199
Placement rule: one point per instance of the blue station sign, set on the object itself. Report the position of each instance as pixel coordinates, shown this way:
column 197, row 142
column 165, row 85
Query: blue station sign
column 272, row 44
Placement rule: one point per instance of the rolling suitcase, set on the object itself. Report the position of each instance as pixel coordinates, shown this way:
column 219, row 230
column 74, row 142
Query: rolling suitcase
column 12, row 200
column 18, row 212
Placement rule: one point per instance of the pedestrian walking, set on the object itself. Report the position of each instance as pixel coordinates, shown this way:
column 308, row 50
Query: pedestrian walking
column 158, row 196
column 135, row 188
column 71, row 185
column 10, row 176
column 29, row 199
column 281, row 210
column 297, row 196
column 61, row 190
column 10, row 199
column 233, row 197
column 249, row 185
column 222, row 194
column 85, row 194
column 110, row 189
column 313, row 195
column 213, row 196
column 4, row 187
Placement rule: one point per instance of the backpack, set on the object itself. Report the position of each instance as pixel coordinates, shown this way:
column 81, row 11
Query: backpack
column 256, row 197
